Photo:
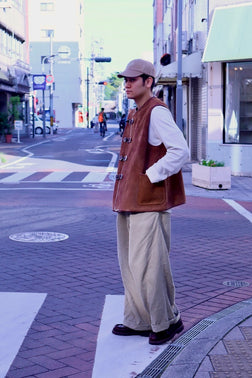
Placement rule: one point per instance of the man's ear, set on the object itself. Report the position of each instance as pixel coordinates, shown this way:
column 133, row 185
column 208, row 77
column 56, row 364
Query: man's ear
column 149, row 81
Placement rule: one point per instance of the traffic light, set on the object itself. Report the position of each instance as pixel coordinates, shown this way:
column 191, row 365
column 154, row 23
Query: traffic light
column 165, row 59
column 103, row 83
column 101, row 59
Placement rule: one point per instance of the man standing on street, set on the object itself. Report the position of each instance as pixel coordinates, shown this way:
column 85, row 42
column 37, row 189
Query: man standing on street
column 148, row 183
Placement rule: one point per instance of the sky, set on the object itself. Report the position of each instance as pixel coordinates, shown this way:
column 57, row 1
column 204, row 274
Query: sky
column 123, row 28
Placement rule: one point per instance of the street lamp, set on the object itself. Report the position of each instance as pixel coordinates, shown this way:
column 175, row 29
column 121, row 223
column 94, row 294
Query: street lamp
column 49, row 59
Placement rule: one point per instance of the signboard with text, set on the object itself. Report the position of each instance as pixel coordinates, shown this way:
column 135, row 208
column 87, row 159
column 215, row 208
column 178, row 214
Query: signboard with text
column 39, row 82
column 18, row 125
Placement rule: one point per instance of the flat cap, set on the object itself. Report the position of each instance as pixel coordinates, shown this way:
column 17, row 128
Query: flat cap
column 138, row 67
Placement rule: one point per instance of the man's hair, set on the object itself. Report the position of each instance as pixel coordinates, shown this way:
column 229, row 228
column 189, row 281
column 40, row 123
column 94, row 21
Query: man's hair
column 145, row 77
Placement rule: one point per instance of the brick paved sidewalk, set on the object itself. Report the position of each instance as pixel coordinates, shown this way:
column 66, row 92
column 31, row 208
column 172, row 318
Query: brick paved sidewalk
column 211, row 252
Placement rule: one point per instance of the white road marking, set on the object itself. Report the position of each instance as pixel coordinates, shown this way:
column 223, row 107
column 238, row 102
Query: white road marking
column 95, row 177
column 17, row 312
column 54, row 177
column 29, row 154
column 240, row 209
column 118, row 356
column 16, row 177
column 87, row 186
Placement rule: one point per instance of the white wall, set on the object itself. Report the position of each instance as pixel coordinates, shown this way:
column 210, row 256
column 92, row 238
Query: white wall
column 237, row 156
column 69, row 75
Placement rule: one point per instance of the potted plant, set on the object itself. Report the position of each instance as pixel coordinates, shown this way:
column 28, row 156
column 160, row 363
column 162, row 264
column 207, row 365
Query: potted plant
column 5, row 127
column 8, row 132
column 211, row 174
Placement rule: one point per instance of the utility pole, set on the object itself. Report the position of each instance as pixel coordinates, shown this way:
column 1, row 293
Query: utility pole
column 179, row 89
column 43, row 97
column 51, row 86
column 87, row 97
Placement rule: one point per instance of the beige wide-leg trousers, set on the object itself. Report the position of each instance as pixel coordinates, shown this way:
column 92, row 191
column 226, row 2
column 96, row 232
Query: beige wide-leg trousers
column 143, row 251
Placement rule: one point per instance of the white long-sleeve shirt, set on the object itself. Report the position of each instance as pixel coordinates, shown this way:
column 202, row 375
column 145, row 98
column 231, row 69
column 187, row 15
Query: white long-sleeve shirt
column 163, row 129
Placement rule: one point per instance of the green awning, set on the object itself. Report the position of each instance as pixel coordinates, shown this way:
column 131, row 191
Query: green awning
column 230, row 35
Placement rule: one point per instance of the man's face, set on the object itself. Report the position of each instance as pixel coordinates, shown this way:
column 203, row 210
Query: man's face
column 135, row 87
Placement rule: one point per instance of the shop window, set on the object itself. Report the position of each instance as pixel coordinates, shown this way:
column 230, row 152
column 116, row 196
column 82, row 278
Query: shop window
column 47, row 7
column 238, row 104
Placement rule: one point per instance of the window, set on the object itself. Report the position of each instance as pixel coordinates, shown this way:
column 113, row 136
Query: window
column 238, row 103
column 18, row 3
column 47, row 7
column 5, row 3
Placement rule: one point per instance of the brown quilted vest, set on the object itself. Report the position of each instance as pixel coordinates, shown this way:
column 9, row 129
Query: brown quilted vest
column 133, row 190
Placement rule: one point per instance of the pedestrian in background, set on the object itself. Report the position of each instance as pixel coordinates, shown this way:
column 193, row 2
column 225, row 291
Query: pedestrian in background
column 148, row 183
column 122, row 124
column 102, row 122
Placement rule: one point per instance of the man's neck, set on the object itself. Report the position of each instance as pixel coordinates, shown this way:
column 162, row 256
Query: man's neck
column 143, row 100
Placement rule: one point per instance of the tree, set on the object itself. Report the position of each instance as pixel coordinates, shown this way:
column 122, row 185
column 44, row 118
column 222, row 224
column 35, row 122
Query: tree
column 111, row 89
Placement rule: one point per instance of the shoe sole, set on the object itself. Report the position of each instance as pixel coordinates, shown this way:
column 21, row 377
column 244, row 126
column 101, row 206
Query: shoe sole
column 143, row 333
column 159, row 342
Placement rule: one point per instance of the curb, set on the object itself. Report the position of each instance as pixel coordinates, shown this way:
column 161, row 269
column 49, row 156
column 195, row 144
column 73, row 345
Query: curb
column 183, row 358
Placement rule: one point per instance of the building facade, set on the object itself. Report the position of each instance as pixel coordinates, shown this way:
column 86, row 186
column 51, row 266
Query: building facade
column 216, row 76
column 57, row 50
column 14, row 57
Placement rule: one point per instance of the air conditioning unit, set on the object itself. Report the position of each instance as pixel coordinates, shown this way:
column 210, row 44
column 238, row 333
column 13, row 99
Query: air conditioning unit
column 199, row 40
column 183, row 41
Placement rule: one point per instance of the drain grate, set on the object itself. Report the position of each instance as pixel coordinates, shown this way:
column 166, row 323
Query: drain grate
column 156, row 367
column 234, row 283
column 194, row 331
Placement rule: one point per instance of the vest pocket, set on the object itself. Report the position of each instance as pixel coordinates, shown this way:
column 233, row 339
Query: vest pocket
column 150, row 194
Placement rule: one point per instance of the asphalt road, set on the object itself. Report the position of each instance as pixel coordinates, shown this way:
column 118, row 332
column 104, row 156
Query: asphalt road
column 63, row 186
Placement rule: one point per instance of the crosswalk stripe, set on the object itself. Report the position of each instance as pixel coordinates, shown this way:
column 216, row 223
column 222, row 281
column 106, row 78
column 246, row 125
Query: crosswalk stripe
column 15, row 177
column 95, row 177
column 54, row 177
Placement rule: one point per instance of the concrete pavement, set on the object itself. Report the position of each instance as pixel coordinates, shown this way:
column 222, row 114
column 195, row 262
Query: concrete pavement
column 211, row 261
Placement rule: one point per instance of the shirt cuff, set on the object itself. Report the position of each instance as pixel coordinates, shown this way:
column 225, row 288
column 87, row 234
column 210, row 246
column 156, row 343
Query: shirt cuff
column 153, row 174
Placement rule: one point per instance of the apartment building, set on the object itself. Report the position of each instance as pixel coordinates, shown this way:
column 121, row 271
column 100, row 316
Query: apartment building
column 216, row 75
column 56, row 30
column 14, row 56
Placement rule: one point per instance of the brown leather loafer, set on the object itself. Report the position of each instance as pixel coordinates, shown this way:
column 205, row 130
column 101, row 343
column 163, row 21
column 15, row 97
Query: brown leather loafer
column 157, row 338
column 122, row 330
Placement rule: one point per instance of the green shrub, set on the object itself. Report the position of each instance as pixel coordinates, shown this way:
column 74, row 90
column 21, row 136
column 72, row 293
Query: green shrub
column 212, row 163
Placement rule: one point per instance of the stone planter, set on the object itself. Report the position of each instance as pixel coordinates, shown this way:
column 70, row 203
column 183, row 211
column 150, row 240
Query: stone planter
column 211, row 177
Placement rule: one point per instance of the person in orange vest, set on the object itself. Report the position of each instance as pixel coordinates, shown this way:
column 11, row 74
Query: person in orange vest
column 102, row 122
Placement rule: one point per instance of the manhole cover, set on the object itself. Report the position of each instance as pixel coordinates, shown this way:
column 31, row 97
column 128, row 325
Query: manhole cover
column 39, row 237
column 236, row 283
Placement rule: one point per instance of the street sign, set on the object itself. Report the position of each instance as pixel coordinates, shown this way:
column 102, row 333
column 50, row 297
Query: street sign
column 102, row 59
column 39, row 82
column 18, row 125
column 49, row 79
